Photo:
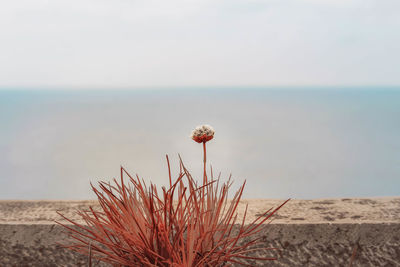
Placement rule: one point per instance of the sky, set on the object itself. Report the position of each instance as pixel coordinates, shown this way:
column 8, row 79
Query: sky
column 154, row 43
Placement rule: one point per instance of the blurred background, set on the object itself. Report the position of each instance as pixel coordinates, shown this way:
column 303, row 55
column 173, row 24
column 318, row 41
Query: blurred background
column 304, row 95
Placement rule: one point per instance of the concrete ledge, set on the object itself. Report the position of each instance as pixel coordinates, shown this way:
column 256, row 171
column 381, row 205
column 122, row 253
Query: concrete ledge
column 303, row 243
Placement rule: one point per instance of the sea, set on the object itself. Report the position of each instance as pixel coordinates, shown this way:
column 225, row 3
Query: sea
column 283, row 142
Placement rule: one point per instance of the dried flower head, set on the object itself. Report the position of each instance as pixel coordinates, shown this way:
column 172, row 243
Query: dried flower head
column 203, row 133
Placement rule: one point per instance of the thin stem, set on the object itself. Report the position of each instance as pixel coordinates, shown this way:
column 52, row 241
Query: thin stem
column 205, row 158
column 204, row 183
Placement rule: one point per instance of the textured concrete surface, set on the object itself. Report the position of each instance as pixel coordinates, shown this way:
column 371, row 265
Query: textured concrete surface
column 309, row 232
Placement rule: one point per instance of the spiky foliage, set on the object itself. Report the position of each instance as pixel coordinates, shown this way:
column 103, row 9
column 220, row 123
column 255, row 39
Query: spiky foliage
column 185, row 225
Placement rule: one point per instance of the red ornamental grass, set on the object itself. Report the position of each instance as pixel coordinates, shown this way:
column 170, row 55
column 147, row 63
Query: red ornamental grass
column 184, row 225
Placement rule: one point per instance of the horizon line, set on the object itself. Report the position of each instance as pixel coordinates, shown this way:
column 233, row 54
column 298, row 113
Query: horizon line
column 194, row 88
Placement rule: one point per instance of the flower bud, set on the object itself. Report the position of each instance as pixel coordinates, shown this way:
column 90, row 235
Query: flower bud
column 203, row 133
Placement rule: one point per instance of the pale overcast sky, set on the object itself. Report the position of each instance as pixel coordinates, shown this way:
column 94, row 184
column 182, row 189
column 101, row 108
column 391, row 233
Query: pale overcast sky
column 171, row 43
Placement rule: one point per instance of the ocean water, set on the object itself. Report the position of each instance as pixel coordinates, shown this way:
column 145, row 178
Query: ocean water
column 293, row 142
